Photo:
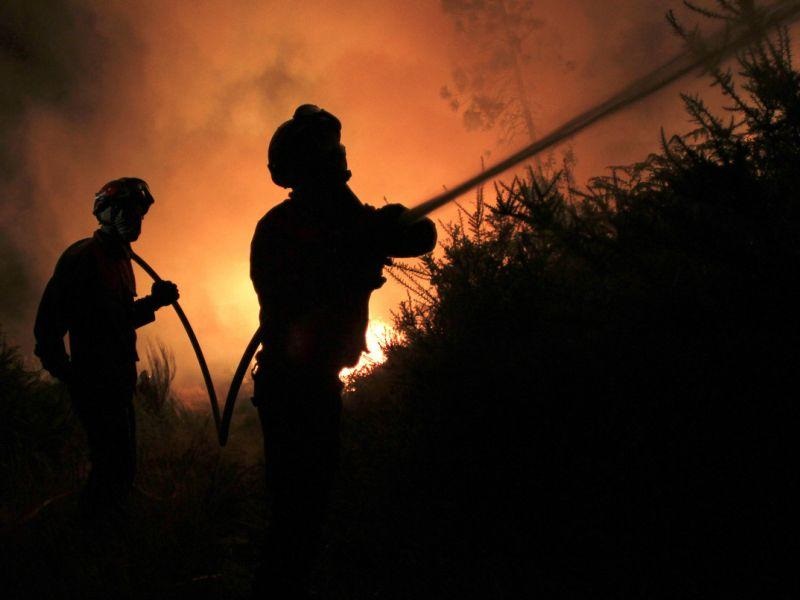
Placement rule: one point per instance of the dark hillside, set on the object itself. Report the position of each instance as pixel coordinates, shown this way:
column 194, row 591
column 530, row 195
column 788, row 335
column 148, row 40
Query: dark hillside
column 597, row 397
column 192, row 522
column 594, row 396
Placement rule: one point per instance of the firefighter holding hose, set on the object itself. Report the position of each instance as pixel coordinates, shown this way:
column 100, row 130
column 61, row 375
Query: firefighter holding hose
column 91, row 296
column 315, row 259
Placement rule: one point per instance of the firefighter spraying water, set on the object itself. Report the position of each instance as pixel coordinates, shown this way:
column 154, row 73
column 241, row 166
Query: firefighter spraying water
column 714, row 49
column 315, row 260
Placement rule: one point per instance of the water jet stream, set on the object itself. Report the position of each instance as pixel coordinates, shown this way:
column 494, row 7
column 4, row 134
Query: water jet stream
column 714, row 49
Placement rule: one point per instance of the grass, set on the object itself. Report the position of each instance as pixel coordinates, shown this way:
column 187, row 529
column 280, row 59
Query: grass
column 589, row 400
column 195, row 510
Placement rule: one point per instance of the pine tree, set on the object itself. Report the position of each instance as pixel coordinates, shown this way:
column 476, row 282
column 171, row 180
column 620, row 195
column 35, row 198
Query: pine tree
column 493, row 87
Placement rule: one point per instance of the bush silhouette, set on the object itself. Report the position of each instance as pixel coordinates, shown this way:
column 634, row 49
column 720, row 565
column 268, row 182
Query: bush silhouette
column 594, row 392
column 193, row 512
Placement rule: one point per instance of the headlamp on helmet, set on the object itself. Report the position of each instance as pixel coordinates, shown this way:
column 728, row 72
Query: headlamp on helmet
column 129, row 191
column 120, row 206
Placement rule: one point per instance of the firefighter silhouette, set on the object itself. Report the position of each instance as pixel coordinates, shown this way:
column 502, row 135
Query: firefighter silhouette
column 315, row 259
column 91, row 297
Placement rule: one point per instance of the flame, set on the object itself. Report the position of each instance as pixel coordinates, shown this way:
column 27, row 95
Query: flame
column 379, row 333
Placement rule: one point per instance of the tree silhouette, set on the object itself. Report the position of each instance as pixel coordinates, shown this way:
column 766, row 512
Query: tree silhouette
column 491, row 87
column 600, row 374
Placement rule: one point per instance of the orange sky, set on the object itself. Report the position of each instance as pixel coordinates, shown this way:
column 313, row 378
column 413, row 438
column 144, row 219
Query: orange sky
column 187, row 94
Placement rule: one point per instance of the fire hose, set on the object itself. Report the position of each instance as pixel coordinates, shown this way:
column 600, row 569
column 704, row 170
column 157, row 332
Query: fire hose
column 714, row 49
column 222, row 421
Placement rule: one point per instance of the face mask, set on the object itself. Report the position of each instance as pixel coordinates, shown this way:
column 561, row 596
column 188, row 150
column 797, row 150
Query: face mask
column 122, row 221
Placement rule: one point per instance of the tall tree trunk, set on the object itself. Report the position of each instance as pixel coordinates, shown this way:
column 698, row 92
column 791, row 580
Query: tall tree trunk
column 515, row 46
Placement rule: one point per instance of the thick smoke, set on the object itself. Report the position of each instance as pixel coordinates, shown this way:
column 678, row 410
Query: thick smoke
column 186, row 96
column 48, row 59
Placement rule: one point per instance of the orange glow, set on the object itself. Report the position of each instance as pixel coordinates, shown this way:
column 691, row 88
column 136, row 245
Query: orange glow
column 187, row 95
column 379, row 333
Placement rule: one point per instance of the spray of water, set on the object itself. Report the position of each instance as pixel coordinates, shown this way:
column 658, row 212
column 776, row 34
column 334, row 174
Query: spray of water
column 714, row 49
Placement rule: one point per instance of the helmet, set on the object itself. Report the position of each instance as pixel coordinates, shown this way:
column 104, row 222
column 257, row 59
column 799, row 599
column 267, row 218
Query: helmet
column 307, row 148
column 120, row 191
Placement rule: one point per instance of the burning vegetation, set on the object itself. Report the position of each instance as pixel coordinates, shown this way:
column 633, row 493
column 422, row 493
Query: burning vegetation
column 587, row 398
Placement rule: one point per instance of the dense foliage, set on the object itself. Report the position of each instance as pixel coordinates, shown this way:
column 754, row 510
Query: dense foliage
column 192, row 521
column 594, row 395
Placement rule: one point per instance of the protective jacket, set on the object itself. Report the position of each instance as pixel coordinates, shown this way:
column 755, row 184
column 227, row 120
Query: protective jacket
column 315, row 259
column 91, row 296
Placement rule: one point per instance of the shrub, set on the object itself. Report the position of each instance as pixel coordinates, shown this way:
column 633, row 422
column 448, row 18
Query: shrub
column 591, row 396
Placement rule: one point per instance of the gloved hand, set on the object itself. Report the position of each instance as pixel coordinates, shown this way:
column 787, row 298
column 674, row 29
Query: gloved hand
column 61, row 370
column 163, row 293
column 389, row 217
column 54, row 359
column 386, row 228
column 403, row 240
